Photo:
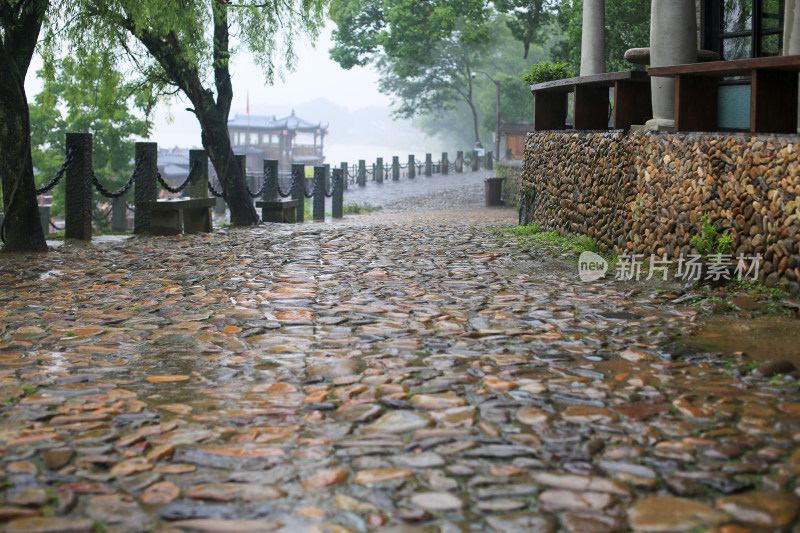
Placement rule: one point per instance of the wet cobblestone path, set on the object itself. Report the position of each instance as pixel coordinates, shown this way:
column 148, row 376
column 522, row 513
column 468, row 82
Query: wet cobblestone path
column 410, row 370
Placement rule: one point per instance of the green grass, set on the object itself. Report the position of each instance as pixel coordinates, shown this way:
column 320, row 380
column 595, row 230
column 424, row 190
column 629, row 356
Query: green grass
column 533, row 235
column 354, row 208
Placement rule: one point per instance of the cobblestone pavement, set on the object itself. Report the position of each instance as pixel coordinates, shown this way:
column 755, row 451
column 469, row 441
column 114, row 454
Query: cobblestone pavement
column 411, row 370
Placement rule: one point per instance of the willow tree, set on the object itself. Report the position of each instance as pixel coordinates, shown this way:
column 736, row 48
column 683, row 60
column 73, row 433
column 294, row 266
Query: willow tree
column 20, row 24
column 187, row 47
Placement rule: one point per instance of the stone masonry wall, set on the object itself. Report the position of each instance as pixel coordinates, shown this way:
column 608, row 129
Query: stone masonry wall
column 644, row 192
column 512, row 172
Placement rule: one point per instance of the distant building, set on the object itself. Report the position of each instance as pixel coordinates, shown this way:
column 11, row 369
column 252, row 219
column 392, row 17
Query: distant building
column 289, row 140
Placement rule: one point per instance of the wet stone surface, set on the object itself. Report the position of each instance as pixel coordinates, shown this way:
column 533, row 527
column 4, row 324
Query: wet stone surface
column 407, row 370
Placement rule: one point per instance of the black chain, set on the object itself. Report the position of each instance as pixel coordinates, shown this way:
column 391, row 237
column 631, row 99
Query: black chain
column 108, row 194
column 213, row 191
column 334, row 183
column 56, row 227
column 313, row 189
column 101, row 216
column 260, row 191
column 288, row 193
column 179, row 188
column 67, row 162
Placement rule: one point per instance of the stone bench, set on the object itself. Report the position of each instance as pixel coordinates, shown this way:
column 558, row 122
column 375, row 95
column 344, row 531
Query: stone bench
column 180, row 215
column 773, row 92
column 279, row 211
column 632, row 103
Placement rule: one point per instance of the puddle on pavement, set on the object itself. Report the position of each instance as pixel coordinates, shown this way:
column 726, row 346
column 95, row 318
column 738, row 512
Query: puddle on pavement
column 769, row 338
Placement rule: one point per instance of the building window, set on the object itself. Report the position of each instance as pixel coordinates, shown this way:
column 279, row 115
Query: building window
column 740, row 29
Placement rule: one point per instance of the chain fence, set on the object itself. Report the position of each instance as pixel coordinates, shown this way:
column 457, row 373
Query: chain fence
column 59, row 173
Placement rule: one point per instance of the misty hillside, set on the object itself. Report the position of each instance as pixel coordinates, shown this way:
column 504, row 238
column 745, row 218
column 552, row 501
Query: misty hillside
column 370, row 125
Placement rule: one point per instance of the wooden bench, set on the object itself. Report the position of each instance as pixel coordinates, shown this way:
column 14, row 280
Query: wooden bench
column 279, row 211
column 773, row 92
column 632, row 104
column 180, row 215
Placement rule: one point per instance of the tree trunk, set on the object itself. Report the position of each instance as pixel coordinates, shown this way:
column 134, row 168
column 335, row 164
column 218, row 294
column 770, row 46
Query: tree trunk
column 217, row 142
column 212, row 115
column 22, row 226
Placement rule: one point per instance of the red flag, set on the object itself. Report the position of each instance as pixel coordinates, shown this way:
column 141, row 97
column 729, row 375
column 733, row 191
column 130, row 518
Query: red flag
column 248, row 102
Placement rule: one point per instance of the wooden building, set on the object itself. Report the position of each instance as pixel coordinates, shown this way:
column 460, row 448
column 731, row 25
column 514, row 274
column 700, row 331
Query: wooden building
column 289, row 140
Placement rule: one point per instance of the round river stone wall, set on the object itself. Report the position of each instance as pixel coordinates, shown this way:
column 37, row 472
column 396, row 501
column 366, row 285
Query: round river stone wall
column 644, row 193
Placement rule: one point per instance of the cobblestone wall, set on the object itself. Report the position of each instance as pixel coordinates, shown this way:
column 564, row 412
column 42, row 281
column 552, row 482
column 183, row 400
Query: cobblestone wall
column 644, row 192
column 512, row 172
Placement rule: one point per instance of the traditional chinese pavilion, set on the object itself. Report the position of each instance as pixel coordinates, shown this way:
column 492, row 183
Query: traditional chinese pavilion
column 289, row 140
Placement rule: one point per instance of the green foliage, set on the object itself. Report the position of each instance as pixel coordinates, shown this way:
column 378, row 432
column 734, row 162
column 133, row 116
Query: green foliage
column 528, row 20
column 546, row 71
column 85, row 94
column 627, row 26
column 709, row 241
column 533, row 235
column 425, row 52
column 354, row 208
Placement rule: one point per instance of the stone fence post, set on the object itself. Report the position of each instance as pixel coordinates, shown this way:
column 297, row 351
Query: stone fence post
column 198, row 186
column 146, row 185
column 270, row 193
column 337, row 201
column 318, row 202
column 78, row 188
column 489, row 160
column 412, row 169
column 362, row 173
column 345, row 174
column 119, row 214
column 395, row 168
column 445, row 163
column 476, row 162
column 298, row 186
column 428, row 165
column 379, row 170
column 460, row 161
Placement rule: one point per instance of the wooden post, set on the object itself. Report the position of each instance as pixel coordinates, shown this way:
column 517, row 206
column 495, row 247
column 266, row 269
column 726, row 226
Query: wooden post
column 428, row 165
column 146, row 185
column 298, row 180
column 489, row 160
column 318, row 202
column 337, row 201
column 362, row 173
column 412, row 168
column 445, row 163
column 379, row 170
column 78, row 188
column 476, row 162
column 459, row 161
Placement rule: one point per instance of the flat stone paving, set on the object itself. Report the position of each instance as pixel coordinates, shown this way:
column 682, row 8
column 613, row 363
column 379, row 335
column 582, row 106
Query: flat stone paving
column 410, row 370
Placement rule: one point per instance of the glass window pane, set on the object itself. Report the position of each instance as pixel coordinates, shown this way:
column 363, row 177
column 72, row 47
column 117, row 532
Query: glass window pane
column 737, row 15
column 771, row 14
column 772, row 45
column 736, row 48
column 734, row 107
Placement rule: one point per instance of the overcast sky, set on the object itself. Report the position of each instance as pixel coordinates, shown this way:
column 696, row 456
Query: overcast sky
column 316, row 76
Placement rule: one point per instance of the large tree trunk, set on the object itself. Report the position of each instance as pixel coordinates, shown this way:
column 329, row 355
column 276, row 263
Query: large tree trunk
column 23, row 228
column 217, row 142
column 212, row 115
